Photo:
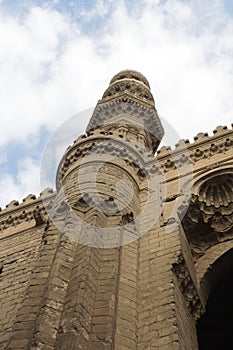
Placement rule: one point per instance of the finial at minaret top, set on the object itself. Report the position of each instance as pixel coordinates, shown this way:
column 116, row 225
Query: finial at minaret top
column 129, row 83
column 130, row 74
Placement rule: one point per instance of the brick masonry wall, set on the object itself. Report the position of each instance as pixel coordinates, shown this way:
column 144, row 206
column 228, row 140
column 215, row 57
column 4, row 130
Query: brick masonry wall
column 18, row 254
column 57, row 292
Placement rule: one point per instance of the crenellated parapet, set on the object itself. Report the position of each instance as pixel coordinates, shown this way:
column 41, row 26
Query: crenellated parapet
column 31, row 210
column 204, row 148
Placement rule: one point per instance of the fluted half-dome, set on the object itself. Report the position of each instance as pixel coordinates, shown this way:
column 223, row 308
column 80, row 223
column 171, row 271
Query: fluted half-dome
column 217, row 191
column 212, row 204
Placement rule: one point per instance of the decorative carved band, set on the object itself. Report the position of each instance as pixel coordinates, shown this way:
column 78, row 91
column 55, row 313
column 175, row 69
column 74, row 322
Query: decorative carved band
column 130, row 87
column 103, row 142
column 137, row 114
column 188, row 288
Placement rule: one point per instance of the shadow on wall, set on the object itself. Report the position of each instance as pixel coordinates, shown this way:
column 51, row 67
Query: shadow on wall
column 215, row 327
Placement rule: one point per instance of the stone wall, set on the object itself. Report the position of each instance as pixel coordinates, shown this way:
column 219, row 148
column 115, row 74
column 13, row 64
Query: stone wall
column 22, row 227
column 100, row 267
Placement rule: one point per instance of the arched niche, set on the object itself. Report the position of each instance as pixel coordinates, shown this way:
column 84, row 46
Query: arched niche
column 214, row 327
column 208, row 215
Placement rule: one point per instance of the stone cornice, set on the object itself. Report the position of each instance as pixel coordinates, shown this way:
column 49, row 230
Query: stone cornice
column 138, row 114
column 100, row 143
column 126, row 98
column 136, row 89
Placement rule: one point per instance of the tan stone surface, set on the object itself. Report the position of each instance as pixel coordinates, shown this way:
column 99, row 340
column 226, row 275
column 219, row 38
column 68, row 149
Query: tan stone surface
column 58, row 294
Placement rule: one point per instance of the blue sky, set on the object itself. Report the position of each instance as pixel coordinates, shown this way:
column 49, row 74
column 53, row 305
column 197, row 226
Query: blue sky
column 57, row 58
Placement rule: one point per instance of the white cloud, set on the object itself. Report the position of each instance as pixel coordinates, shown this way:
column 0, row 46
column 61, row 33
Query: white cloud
column 26, row 181
column 99, row 8
column 3, row 158
column 50, row 69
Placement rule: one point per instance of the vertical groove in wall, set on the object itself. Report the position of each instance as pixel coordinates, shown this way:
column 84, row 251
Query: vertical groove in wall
column 45, row 290
column 52, row 303
column 137, row 287
column 74, row 319
column 126, row 298
column 103, row 315
column 114, row 328
column 97, row 253
column 31, row 303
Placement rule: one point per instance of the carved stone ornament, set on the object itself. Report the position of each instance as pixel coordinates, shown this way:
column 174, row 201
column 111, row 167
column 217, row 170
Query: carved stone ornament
column 188, row 288
column 209, row 218
column 130, row 74
column 215, row 202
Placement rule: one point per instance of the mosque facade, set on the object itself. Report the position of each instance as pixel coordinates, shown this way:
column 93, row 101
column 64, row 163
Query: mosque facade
column 134, row 249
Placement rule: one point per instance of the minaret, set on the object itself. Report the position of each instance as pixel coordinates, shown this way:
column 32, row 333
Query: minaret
column 101, row 174
column 102, row 179
column 91, row 253
column 127, row 252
